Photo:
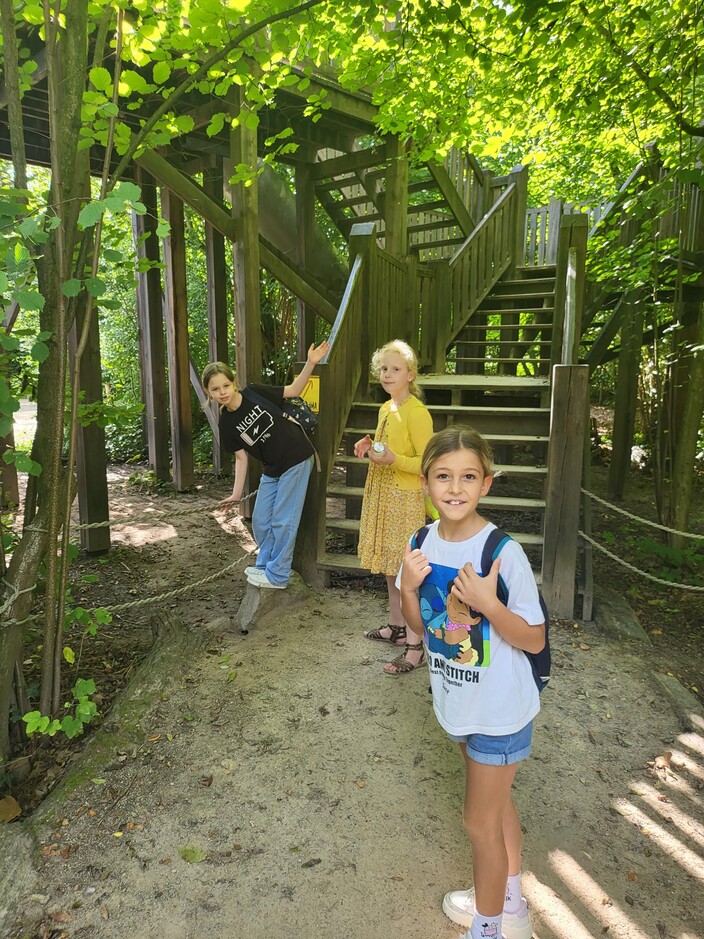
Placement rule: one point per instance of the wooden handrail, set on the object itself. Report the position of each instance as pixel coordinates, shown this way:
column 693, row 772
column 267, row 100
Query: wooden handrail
column 505, row 195
column 355, row 274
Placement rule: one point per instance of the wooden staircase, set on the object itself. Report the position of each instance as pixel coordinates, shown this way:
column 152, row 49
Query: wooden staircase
column 508, row 411
column 511, row 332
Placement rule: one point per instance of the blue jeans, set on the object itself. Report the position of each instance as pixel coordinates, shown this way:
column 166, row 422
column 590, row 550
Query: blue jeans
column 276, row 516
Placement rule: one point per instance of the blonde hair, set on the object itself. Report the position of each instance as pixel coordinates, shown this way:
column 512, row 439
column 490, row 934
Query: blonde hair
column 217, row 368
column 453, row 438
column 409, row 357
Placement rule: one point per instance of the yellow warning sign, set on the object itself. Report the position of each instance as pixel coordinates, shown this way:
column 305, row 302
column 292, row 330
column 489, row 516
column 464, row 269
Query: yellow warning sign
column 311, row 393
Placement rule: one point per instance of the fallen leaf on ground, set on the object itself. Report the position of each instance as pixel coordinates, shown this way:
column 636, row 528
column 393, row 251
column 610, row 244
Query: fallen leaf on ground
column 192, row 853
column 313, row 862
column 9, row 809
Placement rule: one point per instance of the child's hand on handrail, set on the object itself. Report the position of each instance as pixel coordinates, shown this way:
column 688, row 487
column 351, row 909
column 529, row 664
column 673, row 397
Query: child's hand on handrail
column 317, row 353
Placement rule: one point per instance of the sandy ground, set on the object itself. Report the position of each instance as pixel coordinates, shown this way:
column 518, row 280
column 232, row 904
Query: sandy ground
column 284, row 787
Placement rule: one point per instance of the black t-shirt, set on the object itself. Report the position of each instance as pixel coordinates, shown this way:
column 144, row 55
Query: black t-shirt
column 265, row 434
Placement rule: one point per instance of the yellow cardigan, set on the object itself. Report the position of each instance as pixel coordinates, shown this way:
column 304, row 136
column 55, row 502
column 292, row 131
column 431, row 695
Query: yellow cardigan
column 407, row 431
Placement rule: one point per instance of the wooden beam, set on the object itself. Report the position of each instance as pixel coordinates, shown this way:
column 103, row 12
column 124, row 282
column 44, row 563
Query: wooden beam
column 396, row 199
column 189, row 192
column 216, row 279
column 176, row 315
column 350, row 162
column 298, row 281
column 305, row 222
column 452, row 197
column 150, row 319
column 245, row 253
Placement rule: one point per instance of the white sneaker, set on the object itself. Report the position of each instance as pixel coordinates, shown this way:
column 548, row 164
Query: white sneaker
column 252, row 570
column 259, row 579
column 458, row 905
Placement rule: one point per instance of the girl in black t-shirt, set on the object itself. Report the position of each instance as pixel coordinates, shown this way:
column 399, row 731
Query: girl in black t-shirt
column 248, row 426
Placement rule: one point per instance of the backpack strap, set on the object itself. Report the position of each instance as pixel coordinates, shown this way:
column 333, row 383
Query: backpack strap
column 491, row 550
column 419, row 537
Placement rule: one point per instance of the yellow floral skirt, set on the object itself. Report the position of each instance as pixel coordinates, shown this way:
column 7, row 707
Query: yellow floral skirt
column 389, row 517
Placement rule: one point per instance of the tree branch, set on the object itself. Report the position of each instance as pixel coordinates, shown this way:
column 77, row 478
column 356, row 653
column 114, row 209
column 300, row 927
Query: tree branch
column 692, row 129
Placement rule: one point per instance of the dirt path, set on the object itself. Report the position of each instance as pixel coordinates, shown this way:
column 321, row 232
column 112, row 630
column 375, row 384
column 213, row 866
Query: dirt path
column 283, row 787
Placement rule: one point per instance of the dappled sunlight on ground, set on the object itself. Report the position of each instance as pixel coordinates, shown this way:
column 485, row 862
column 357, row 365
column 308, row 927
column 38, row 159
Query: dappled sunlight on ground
column 669, row 813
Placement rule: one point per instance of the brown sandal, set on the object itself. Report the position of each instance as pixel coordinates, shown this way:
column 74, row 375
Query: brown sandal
column 397, row 633
column 400, row 663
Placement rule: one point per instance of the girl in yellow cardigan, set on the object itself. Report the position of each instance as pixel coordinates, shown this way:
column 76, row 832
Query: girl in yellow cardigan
column 394, row 506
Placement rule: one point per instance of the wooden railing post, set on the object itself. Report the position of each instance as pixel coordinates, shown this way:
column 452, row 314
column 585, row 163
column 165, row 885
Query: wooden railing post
column 519, row 176
column 573, row 234
column 570, row 386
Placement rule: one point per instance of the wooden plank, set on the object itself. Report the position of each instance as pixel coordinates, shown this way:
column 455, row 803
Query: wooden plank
column 176, row 316
column 562, row 500
column 452, row 197
column 350, row 162
column 305, row 222
column 152, row 356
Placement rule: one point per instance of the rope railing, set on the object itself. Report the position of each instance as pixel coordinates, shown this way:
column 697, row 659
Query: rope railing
column 144, row 601
column 636, row 570
column 643, row 521
column 153, row 516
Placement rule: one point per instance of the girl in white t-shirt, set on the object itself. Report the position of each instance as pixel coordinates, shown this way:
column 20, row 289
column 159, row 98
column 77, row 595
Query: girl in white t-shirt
column 484, row 694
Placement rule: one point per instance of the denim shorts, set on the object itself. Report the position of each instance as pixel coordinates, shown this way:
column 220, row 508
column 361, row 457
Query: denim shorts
column 497, row 751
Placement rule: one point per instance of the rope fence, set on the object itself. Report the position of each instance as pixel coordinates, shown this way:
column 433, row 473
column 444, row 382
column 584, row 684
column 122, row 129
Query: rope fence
column 644, row 521
column 144, row 601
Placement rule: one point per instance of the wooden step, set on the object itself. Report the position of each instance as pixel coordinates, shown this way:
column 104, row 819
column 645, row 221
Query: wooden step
column 503, row 342
column 533, row 284
column 484, row 419
column 500, row 360
column 330, row 561
column 495, row 439
column 497, row 503
column 504, row 469
column 503, row 383
column 350, row 526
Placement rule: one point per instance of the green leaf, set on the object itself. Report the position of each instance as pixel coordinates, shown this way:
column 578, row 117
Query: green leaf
column 29, row 299
column 163, row 229
column 161, row 73
column 71, row 288
column 69, row 655
column 193, row 854
column 71, row 726
column 90, row 214
column 83, row 688
column 4, row 282
column 39, row 351
column 95, row 286
column 100, row 78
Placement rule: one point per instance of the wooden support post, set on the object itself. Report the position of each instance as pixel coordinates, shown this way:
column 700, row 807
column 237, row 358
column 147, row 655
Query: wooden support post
column 245, row 251
column 553, row 235
column 176, row 316
column 91, row 461
column 216, row 273
column 519, row 176
column 573, row 234
column 305, row 230
column 363, row 241
column 151, row 330
column 626, row 397
column 396, row 199
column 564, row 477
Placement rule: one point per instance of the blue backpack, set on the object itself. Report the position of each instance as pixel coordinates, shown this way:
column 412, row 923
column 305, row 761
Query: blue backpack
column 539, row 661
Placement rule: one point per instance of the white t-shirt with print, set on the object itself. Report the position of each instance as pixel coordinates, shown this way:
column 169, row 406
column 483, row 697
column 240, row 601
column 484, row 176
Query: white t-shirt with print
column 481, row 684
